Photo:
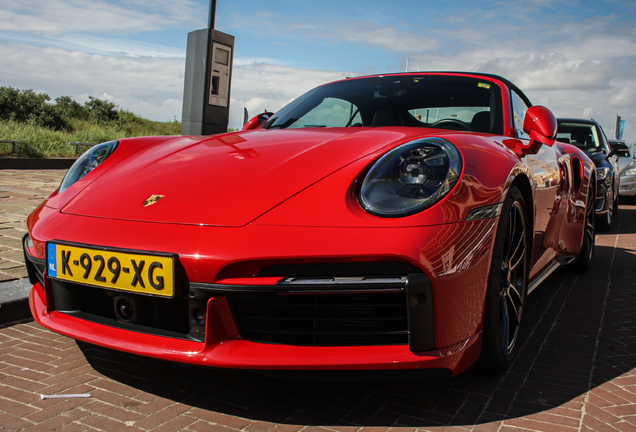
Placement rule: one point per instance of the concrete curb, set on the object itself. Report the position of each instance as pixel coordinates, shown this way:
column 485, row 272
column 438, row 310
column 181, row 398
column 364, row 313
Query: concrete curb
column 20, row 163
column 14, row 300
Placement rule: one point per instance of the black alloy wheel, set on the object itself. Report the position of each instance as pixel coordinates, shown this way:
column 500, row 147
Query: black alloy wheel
column 507, row 286
column 513, row 272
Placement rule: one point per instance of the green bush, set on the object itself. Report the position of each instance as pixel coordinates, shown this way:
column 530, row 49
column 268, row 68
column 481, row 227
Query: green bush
column 70, row 108
column 26, row 106
column 48, row 128
column 100, row 111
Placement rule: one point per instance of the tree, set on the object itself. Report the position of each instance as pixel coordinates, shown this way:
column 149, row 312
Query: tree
column 71, row 108
column 28, row 106
column 100, row 110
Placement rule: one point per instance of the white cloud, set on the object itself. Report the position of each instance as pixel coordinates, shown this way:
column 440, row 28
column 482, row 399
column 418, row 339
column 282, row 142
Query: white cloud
column 579, row 66
column 550, row 72
column 146, row 86
column 103, row 45
column 260, row 86
column 623, row 98
column 598, row 47
column 389, row 38
column 55, row 17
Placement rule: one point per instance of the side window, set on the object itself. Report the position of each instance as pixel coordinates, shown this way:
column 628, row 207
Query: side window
column 519, row 109
column 603, row 140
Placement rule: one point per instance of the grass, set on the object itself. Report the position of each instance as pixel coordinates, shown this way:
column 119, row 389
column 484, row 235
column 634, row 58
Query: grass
column 42, row 142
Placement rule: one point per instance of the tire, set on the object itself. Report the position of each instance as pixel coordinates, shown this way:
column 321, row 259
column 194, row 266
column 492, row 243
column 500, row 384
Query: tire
column 616, row 202
column 604, row 223
column 584, row 260
column 507, row 286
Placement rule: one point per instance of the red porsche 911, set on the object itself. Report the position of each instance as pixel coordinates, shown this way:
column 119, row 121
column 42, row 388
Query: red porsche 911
column 379, row 223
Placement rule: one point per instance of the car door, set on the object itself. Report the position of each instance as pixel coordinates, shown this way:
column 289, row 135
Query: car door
column 545, row 178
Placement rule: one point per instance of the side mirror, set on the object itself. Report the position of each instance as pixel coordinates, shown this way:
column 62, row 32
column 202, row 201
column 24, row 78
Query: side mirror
column 541, row 125
column 257, row 121
column 613, row 151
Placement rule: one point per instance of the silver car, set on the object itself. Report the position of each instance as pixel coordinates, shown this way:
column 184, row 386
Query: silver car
column 627, row 166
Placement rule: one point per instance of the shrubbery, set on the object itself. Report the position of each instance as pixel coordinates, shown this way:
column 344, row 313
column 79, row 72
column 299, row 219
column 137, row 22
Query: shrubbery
column 46, row 128
column 26, row 106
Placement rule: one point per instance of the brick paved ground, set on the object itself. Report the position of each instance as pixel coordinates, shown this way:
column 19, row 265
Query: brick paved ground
column 576, row 372
column 20, row 192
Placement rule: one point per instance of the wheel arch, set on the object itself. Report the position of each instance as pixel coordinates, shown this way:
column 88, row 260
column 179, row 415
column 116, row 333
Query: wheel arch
column 522, row 182
column 497, row 346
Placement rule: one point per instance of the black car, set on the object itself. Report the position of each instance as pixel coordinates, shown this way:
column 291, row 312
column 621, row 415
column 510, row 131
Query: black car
column 589, row 136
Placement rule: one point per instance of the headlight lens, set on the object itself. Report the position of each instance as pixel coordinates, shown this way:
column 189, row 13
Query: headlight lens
column 630, row 170
column 88, row 162
column 601, row 173
column 411, row 178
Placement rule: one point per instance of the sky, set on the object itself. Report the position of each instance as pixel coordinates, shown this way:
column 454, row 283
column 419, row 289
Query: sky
column 578, row 58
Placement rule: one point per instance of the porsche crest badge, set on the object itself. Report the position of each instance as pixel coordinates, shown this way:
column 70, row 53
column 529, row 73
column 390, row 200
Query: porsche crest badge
column 152, row 199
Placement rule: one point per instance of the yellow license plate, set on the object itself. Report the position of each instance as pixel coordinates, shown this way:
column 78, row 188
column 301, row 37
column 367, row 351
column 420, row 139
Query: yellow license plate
column 145, row 273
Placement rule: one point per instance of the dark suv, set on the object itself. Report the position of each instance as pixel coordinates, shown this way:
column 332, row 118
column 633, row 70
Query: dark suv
column 589, row 136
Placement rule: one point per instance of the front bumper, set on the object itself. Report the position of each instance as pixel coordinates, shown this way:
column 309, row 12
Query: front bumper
column 439, row 324
column 627, row 186
column 603, row 198
column 224, row 349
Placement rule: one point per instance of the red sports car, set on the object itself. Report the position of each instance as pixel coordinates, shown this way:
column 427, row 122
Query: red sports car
column 387, row 222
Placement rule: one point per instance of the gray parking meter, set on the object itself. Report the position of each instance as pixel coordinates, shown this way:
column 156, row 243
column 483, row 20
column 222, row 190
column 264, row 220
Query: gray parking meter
column 207, row 84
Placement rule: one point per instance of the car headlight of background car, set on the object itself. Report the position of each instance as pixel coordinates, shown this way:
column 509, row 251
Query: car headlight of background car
column 629, row 171
column 411, row 178
column 601, row 173
column 88, row 162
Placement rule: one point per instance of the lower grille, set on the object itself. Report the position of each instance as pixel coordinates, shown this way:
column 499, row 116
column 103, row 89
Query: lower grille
column 332, row 319
column 153, row 315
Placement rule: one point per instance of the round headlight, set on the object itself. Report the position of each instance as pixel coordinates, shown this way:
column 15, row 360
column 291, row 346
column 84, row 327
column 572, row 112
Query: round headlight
column 88, row 162
column 411, row 178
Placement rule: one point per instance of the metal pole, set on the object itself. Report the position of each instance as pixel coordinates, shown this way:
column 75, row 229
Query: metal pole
column 212, row 14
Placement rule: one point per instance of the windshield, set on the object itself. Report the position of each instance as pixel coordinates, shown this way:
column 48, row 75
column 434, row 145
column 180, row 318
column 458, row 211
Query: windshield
column 449, row 102
column 623, row 152
column 582, row 135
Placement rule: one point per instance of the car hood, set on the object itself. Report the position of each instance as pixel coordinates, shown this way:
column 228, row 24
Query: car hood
column 225, row 180
column 624, row 162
